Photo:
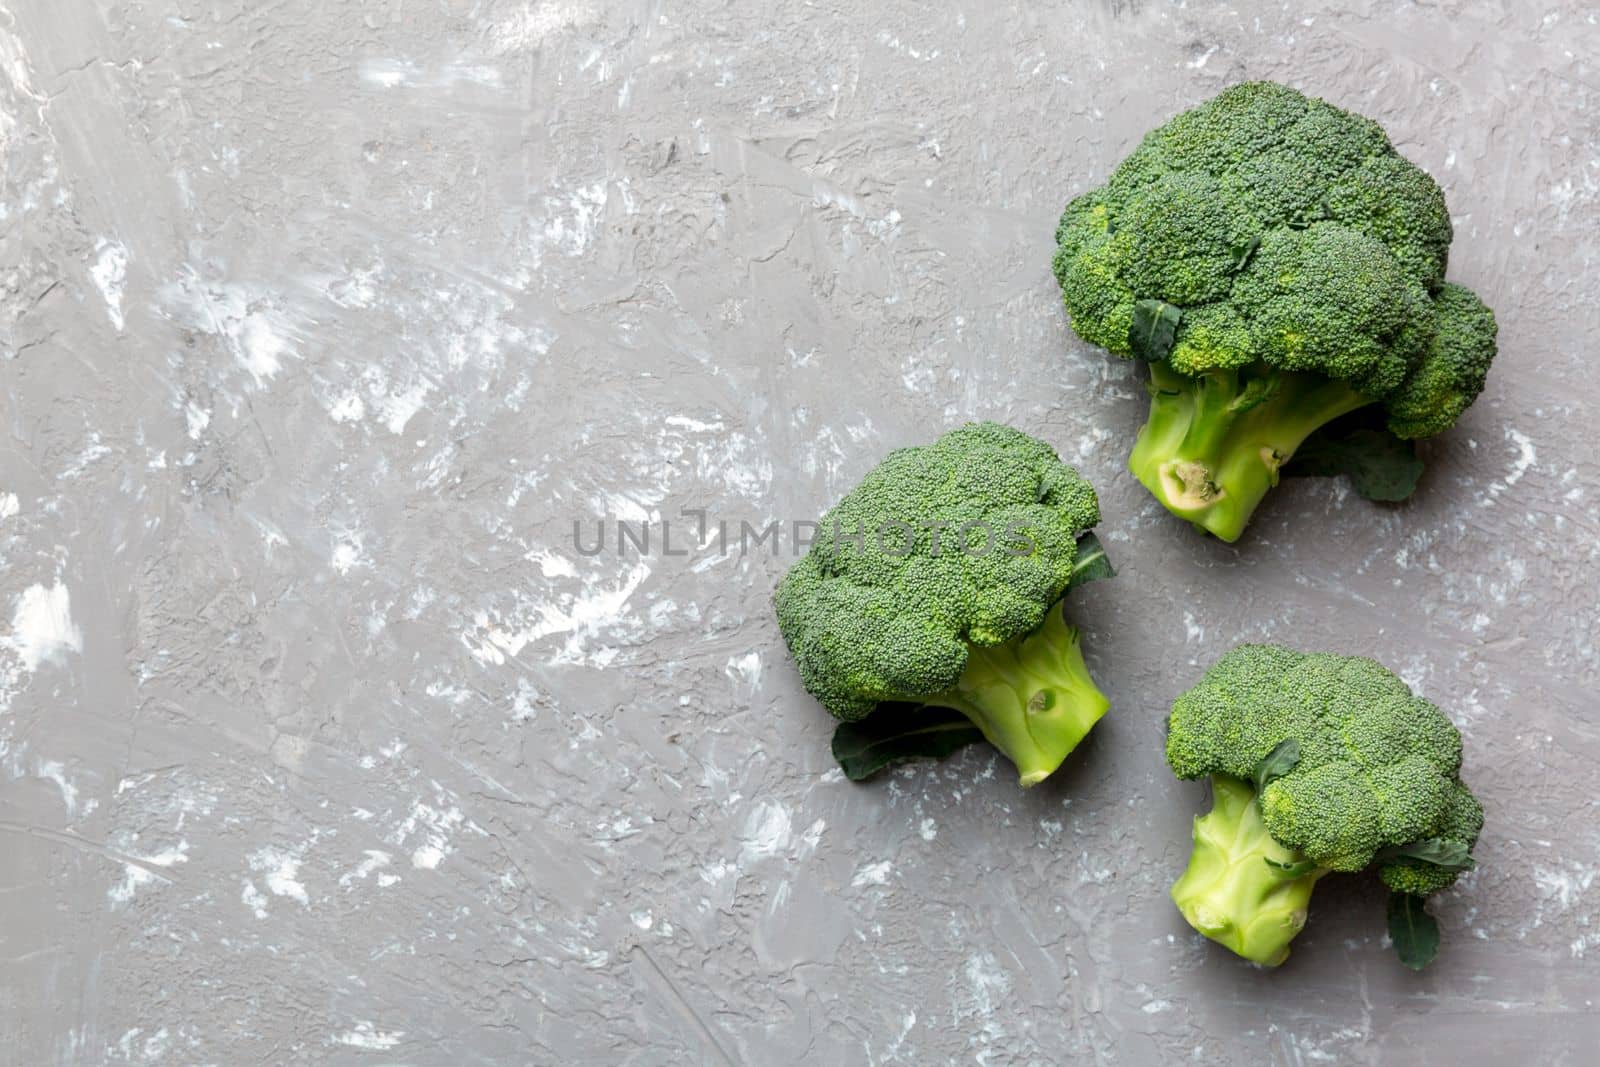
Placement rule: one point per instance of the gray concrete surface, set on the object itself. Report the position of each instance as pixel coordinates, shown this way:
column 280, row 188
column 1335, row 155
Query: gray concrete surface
column 323, row 322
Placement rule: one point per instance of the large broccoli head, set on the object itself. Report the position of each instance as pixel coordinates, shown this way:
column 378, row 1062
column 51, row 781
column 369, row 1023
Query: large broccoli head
column 1378, row 767
column 1352, row 769
column 1258, row 238
column 1288, row 232
column 939, row 565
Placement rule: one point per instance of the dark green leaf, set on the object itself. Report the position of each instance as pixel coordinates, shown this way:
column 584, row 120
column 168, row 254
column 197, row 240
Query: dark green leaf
column 1380, row 465
column 1293, row 870
column 1451, row 855
column 1311, row 215
column 1155, row 329
column 1243, row 252
column 1277, row 763
column 895, row 732
column 1091, row 563
column 1415, row 933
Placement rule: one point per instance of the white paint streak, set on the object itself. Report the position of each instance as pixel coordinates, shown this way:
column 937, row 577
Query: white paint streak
column 583, row 616
column 987, row 987
column 572, row 224
column 196, row 419
column 56, row 772
column 767, row 831
column 374, row 859
column 1192, row 630
column 397, row 409
column 135, row 875
column 746, row 669
column 386, row 73
column 436, row 826
column 110, row 273
column 348, row 408
column 1527, row 456
column 872, row 874
column 261, row 347
column 1564, row 887
column 365, row 1035
column 252, row 898
column 347, row 554
column 528, row 28
column 256, row 329
column 552, row 565
column 525, row 704
column 281, row 870
column 398, row 73
column 41, row 626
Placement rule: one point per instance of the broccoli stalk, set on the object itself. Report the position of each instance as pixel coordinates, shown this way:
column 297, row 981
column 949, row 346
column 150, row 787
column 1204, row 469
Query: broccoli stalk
column 1032, row 696
column 1214, row 442
column 1242, row 889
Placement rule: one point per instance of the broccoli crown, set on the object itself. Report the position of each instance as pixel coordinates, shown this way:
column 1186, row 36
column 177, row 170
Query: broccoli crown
column 1378, row 767
column 1289, row 234
column 964, row 542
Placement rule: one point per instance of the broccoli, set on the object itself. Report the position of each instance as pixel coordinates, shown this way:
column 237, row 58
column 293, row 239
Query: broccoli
column 1279, row 265
column 1318, row 763
column 937, row 581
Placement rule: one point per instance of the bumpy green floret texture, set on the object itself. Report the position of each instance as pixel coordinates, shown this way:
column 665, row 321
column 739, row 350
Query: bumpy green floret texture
column 1378, row 768
column 875, row 611
column 1292, row 236
column 1463, row 821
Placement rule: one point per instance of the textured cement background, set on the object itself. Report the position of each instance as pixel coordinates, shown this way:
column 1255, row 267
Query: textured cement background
column 319, row 742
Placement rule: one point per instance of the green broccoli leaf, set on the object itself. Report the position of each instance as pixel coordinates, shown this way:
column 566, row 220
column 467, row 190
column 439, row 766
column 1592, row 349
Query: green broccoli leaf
column 1415, row 933
column 1379, row 465
column 1242, row 253
column 1277, row 763
column 897, row 732
column 1155, row 329
column 1091, row 563
column 1451, row 855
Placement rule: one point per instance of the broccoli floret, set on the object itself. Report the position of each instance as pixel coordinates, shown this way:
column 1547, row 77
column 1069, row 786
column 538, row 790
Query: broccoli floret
column 1463, row 821
column 1279, row 265
column 1318, row 763
column 937, row 580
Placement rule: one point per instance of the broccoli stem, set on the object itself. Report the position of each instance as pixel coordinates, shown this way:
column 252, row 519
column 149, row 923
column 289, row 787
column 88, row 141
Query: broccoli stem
column 1229, row 892
column 1213, row 444
column 1032, row 696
